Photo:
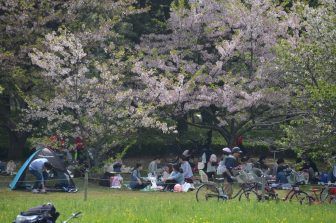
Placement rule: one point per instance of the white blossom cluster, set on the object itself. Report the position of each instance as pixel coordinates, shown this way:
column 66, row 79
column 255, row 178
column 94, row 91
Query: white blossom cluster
column 219, row 54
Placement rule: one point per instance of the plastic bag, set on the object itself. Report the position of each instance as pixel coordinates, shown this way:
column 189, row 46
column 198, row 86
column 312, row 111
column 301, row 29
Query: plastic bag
column 186, row 186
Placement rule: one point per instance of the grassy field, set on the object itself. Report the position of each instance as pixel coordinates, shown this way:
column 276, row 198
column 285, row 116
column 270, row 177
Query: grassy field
column 108, row 205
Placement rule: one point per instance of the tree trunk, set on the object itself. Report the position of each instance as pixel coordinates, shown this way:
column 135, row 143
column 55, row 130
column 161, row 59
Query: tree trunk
column 208, row 141
column 232, row 142
column 17, row 143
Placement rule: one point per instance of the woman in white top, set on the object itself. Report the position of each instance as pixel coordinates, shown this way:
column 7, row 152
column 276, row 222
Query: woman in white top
column 211, row 167
column 187, row 172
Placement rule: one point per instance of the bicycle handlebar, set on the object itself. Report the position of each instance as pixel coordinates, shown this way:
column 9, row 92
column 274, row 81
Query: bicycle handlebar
column 74, row 215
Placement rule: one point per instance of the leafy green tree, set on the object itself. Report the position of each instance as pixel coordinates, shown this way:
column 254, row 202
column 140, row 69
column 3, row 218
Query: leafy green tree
column 22, row 24
column 308, row 60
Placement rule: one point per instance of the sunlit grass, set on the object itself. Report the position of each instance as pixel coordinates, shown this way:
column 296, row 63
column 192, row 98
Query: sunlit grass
column 105, row 205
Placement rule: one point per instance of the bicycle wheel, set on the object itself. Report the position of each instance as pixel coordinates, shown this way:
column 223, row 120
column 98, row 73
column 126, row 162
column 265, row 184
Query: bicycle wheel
column 324, row 194
column 332, row 199
column 249, row 195
column 207, row 192
column 301, row 197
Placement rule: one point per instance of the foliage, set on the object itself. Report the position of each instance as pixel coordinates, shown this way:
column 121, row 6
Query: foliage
column 22, row 23
column 309, row 62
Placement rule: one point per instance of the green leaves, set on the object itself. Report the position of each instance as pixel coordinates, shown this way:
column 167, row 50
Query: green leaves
column 308, row 61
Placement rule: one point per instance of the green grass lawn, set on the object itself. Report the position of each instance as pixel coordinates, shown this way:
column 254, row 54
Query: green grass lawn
column 108, row 205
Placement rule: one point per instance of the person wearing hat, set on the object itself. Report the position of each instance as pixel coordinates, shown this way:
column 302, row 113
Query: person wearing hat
column 231, row 162
column 221, row 165
column 186, row 153
column 226, row 153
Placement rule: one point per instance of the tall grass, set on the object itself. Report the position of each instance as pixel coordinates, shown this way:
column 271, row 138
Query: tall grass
column 107, row 205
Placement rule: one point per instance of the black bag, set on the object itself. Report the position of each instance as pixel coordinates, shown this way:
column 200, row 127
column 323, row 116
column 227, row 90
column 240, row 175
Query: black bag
column 41, row 214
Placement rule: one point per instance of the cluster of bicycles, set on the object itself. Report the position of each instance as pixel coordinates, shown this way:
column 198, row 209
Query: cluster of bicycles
column 252, row 187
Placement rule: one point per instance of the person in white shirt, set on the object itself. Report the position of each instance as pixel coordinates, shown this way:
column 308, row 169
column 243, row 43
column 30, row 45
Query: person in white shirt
column 187, row 172
column 39, row 168
column 152, row 167
column 11, row 166
column 211, row 167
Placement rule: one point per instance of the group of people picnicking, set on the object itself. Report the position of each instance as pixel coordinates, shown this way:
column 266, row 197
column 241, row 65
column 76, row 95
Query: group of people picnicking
column 226, row 165
column 182, row 168
column 172, row 175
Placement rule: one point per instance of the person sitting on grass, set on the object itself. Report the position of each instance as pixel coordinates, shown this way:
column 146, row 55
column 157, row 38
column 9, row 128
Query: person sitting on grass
column 186, row 168
column 282, row 174
column 137, row 182
column 40, row 168
column 167, row 170
column 176, row 177
column 11, row 166
column 261, row 164
column 153, row 166
column 116, row 181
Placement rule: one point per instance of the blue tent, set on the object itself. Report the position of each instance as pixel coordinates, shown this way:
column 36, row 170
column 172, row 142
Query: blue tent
column 59, row 180
column 22, row 170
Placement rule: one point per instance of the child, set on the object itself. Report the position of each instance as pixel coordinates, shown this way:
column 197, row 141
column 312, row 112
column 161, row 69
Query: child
column 116, row 181
column 166, row 171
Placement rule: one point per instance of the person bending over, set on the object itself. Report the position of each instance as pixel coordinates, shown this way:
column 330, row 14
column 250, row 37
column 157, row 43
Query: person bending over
column 39, row 168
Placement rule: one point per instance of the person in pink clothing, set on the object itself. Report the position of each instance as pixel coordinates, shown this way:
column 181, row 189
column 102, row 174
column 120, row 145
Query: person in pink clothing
column 116, row 181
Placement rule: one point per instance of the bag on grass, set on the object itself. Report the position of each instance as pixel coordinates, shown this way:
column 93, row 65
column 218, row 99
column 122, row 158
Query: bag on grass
column 41, row 214
column 185, row 187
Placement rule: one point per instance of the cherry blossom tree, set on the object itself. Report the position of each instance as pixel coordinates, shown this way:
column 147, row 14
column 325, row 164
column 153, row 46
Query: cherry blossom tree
column 218, row 61
column 84, row 69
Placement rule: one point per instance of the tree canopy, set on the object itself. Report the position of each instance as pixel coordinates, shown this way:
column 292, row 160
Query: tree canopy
column 106, row 70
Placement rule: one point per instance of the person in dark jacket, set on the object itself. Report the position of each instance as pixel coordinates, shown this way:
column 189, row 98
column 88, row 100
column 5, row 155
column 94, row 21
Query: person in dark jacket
column 231, row 162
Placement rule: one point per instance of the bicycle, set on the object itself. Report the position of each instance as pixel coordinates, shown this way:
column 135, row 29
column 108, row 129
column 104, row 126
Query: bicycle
column 296, row 194
column 328, row 193
column 215, row 190
column 269, row 190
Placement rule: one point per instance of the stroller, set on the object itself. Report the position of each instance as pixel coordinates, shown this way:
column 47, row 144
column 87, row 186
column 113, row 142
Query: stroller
column 45, row 213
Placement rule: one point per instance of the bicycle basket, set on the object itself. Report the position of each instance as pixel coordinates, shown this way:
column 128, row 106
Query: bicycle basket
column 244, row 177
column 295, row 178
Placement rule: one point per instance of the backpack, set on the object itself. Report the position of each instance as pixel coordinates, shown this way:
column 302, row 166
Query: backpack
column 45, row 213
